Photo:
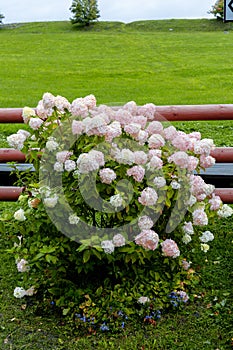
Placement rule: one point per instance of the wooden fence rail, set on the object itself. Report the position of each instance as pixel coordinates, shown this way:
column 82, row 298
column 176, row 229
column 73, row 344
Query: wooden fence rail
column 185, row 113
column 170, row 113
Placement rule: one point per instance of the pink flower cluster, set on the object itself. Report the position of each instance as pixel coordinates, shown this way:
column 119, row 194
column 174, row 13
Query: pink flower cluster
column 200, row 218
column 155, row 163
column 156, row 141
column 188, row 228
column 148, row 239
column 180, row 158
column 113, row 130
column 132, row 129
column 91, row 161
column 63, row 156
column 154, row 127
column 215, row 202
column 107, row 175
column 170, row 248
column 204, row 147
column 148, row 197
column 35, row 123
column 22, row 265
column 148, row 110
column 199, row 189
column 137, row 172
column 145, row 222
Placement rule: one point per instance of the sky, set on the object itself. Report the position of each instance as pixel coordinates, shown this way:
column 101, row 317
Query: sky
column 16, row 11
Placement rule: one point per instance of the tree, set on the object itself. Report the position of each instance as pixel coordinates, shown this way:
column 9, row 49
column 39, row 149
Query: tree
column 217, row 9
column 84, row 12
column 1, row 18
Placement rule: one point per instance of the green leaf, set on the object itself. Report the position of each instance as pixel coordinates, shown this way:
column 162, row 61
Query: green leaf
column 127, row 258
column 99, row 291
column 47, row 250
column 81, row 248
column 86, row 256
column 38, row 256
column 97, row 254
column 167, row 202
column 65, row 311
column 51, row 259
column 54, row 291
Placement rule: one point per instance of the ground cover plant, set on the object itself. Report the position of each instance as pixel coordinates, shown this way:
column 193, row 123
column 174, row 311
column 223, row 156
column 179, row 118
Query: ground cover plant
column 206, row 324
column 212, row 303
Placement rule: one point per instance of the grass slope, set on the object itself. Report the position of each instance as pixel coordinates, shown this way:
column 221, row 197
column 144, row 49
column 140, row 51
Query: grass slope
column 144, row 61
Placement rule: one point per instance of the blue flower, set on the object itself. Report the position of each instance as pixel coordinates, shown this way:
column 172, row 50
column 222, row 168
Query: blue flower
column 83, row 319
column 173, row 295
column 174, row 303
column 104, row 328
column 148, row 317
column 156, row 314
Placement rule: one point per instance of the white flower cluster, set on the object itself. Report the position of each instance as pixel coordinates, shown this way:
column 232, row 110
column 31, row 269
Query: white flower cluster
column 225, row 211
column 51, row 144
column 206, row 236
column 20, row 215
column 20, row 292
column 116, row 201
column 74, row 219
column 51, row 202
column 143, row 300
column 22, row 265
column 109, row 245
column 17, row 140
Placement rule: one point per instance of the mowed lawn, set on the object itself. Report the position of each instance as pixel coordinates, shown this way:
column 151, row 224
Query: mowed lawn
column 164, row 62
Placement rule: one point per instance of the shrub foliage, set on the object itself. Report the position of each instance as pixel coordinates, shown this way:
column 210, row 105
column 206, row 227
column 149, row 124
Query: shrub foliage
column 111, row 217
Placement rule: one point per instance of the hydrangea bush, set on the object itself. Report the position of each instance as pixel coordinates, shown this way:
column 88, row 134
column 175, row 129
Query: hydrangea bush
column 112, row 213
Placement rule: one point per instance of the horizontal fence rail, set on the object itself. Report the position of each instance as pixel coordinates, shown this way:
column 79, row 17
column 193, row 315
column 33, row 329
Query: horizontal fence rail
column 195, row 112
column 11, row 193
column 170, row 113
column 221, row 154
column 181, row 113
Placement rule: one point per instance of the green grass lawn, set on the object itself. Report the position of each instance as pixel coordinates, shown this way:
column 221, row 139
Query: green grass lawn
column 142, row 61
column 165, row 62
